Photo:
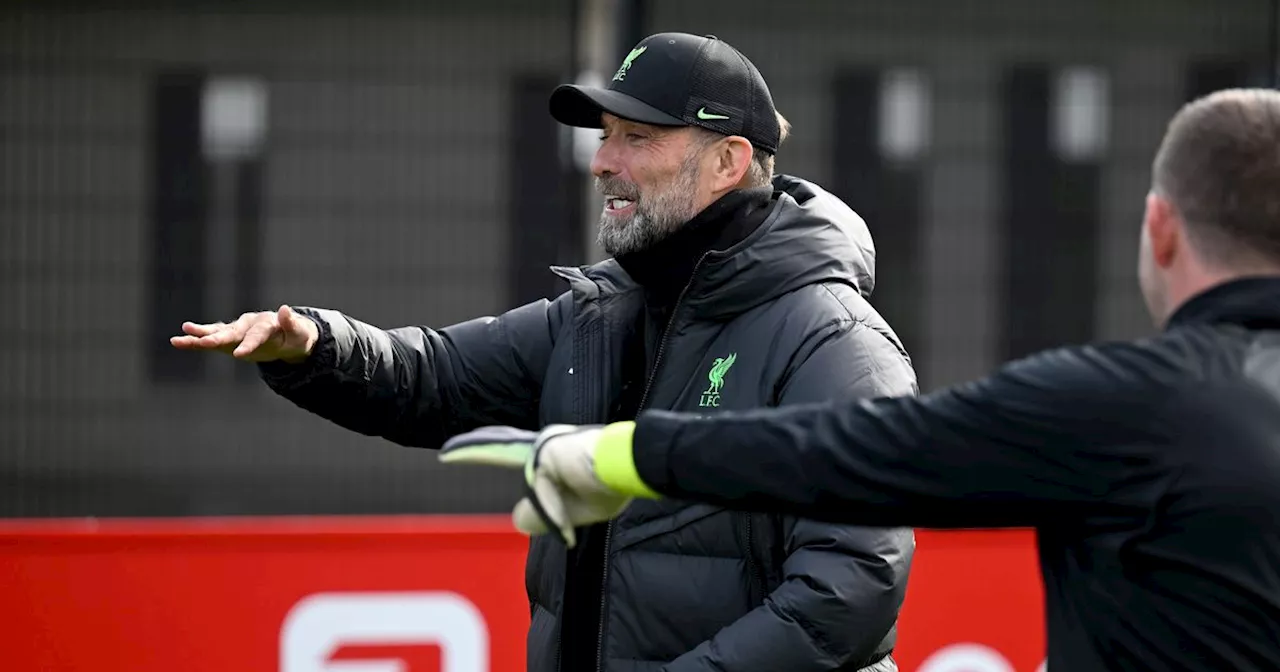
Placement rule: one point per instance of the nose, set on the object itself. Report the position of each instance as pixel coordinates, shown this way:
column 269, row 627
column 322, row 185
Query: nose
column 607, row 160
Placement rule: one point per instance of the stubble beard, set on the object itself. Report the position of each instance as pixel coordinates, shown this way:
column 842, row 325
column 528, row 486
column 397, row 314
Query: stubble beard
column 657, row 214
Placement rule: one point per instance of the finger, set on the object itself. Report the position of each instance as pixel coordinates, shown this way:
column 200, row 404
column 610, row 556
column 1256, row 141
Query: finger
column 215, row 341
column 194, row 329
column 527, row 519
column 256, row 336
column 184, row 342
column 547, row 524
column 552, row 501
column 227, row 336
column 195, row 342
column 509, row 455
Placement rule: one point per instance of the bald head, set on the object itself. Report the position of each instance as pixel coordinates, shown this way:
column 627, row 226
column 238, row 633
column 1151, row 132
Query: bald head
column 1219, row 169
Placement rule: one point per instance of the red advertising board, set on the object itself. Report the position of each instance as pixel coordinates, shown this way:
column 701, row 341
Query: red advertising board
column 396, row 594
column 975, row 603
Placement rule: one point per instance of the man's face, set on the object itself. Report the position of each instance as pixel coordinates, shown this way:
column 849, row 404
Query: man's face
column 650, row 177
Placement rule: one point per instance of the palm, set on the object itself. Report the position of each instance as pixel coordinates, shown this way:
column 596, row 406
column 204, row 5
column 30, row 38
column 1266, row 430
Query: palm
column 255, row 337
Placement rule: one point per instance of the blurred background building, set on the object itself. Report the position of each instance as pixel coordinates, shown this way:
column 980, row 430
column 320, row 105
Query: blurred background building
column 396, row 161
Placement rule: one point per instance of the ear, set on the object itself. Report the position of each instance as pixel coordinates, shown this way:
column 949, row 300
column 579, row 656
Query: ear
column 732, row 157
column 1164, row 230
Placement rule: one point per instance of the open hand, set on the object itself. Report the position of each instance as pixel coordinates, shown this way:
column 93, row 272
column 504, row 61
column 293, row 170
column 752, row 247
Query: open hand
column 267, row 336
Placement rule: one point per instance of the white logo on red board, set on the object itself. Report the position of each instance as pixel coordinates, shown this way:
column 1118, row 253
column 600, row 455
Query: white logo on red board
column 969, row 657
column 384, row 632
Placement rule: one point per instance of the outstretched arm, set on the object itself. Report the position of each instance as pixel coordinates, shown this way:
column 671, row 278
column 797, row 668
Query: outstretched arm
column 1051, row 437
column 417, row 386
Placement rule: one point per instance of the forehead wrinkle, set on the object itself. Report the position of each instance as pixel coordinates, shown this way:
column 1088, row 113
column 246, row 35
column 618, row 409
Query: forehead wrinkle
column 613, row 123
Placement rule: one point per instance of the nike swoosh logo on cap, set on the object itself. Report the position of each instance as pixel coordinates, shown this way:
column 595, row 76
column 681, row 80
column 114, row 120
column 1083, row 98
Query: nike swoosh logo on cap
column 703, row 114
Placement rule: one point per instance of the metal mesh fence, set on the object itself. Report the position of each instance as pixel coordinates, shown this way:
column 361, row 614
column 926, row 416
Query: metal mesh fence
column 397, row 163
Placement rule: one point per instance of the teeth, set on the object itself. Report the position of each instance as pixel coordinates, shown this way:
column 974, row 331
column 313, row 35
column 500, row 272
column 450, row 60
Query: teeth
column 618, row 203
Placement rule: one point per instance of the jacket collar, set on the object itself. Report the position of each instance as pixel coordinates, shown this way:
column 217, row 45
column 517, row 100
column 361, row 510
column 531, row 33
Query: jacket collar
column 665, row 268
column 1249, row 302
column 809, row 236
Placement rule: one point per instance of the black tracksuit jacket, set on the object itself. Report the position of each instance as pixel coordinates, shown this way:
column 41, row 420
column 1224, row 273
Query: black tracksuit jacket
column 1150, row 469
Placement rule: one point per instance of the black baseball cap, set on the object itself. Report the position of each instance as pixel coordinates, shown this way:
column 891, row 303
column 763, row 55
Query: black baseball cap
column 678, row 79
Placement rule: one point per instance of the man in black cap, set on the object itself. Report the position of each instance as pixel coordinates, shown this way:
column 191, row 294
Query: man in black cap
column 672, row 92
column 729, row 289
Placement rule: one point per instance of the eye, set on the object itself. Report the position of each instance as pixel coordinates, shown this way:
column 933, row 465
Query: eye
column 635, row 136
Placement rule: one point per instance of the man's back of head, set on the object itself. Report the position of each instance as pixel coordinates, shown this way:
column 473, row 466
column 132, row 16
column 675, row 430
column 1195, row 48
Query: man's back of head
column 1219, row 166
column 1213, row 213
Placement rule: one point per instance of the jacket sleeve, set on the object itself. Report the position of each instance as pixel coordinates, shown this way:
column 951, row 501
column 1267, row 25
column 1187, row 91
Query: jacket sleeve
column 418, row 386
column 842, row 586
column 1063, row 435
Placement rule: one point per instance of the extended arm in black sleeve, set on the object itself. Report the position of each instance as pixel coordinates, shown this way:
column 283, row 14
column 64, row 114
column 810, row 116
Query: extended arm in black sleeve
column 1058, row 435
column 418, row 386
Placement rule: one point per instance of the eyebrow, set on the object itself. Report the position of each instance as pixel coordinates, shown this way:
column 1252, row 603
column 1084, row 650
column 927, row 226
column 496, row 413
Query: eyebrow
column 614, row 123
column 625, row 123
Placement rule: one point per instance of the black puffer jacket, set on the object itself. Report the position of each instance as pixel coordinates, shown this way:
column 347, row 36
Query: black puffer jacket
column 779, row 318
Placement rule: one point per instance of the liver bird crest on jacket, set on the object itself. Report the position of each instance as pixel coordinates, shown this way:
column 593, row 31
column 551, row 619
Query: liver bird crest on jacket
column 711, row 398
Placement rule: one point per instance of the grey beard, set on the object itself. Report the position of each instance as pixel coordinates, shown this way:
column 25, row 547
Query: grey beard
column 657, row 215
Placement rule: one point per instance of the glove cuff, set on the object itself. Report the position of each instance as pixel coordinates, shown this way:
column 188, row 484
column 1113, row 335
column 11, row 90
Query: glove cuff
column 614, row 464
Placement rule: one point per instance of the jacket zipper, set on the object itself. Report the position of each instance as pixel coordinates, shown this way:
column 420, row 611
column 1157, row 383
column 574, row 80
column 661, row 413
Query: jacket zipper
column 644, row 398
column 754, row 569
column 604, row 590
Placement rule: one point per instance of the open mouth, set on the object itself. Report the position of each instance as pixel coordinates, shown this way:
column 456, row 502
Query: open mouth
column 616, row 205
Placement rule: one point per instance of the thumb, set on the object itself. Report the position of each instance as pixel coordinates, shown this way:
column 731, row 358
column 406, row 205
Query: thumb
column 297, row 329
column 297, row 333
column 527, row 520
column 531, row 523
column 287, row 318
column 548, row 496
